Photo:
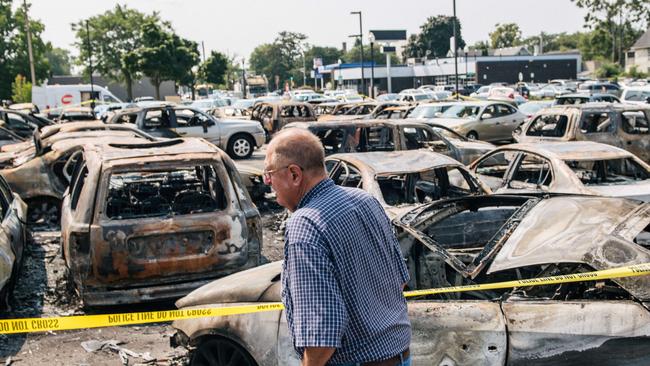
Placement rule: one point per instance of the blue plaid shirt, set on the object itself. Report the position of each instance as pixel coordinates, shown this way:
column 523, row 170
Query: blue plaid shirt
column 342, row 277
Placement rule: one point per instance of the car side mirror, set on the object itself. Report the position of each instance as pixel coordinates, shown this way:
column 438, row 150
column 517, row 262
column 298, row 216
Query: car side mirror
column 647, row 100
column 486, row 116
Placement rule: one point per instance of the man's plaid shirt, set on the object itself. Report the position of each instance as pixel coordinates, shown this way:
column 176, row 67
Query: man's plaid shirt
column 342, row 277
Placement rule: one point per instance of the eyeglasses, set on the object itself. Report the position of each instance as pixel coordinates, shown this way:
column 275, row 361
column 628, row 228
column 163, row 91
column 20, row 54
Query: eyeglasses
column 266, row 174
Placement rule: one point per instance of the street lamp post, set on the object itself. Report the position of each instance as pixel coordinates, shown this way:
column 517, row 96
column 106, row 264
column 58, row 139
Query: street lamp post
column 371, row 37
column 90, row 64
column 363, row 79
column 456, row 51
column 29, row 46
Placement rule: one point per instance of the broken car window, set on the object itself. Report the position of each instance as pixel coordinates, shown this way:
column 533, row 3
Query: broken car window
column 635, row 123
column 550, row 125
column 378, row 139
column 531, row 171
column 596, row 122
column 176, row 191
column 424, row 187
column 612, row 171
column 156, row 119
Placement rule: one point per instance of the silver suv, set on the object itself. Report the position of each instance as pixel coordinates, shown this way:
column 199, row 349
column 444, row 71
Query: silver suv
column 238, row 137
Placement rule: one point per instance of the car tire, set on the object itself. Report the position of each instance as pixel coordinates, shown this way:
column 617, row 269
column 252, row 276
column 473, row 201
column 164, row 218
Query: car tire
column 240, row 146
column 44, row 211
column 220, row 352
column 472, row 135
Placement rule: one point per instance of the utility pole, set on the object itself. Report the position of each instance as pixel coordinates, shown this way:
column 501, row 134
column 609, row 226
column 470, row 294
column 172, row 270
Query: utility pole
column 363, row 78
column 90, row 63
column 243, row 76
column 29, row 45
column 456, row 51
column 203, row 47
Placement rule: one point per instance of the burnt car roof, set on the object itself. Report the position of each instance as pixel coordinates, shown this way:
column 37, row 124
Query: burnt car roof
column 597, row 106
column 361, row 122
column 571, row 150
column 382, row 162
column 116, row 153
column 48, row 131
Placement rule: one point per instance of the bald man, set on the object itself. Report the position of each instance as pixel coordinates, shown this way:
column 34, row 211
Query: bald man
column 343, row 271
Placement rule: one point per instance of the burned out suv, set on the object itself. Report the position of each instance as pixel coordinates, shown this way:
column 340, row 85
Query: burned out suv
column 152, row 221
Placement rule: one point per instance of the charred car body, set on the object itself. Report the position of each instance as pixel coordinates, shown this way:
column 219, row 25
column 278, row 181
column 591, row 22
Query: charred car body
column 152, row 221
column 275, row 115
column 474, row 240
column 13, row 236
column 575, row 167
column 394, row 135
column 622, row 125
column 401, row 180
column 41, row 173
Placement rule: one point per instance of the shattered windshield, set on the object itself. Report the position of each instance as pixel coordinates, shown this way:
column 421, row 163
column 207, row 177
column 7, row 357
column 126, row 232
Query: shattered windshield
column 177, row 191
column 608, row 172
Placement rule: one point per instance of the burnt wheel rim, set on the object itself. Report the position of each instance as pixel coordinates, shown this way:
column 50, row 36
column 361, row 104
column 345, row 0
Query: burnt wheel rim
column 241, row 147
column 220, row 352
column 43, row 213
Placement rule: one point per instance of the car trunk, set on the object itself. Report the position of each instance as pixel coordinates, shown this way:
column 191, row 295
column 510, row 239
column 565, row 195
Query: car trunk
column 166, row 226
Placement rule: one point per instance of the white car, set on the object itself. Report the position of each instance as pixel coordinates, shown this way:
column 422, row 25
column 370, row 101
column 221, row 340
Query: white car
column 549, row 91
column 636, row 95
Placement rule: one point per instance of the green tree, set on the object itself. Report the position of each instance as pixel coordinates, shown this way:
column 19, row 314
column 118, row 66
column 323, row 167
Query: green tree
column 505, row 35
column 59, row 60
column 115, row 37
column 608, row 70
column 165, row 56
column 619, row 22
column 635, row 73
column 214, row 69
column 14, row 57
column 283, row 57
column 155, row 55
column 21, row 90
column 434, row 37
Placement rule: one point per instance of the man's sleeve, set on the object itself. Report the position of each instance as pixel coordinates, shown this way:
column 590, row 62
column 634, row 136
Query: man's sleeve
column 319, row 312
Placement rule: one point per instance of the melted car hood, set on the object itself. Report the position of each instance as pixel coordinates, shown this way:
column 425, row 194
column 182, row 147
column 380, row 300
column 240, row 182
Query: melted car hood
column 245, row 286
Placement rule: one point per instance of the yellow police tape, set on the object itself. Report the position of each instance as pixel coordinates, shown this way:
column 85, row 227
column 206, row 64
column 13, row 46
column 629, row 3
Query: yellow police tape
column 30, row 325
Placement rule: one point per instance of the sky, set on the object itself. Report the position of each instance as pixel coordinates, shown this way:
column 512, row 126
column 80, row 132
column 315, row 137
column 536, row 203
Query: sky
column 237, row 27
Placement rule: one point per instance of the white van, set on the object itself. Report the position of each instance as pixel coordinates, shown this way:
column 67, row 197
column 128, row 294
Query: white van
column 636, row 95
column 53, row 98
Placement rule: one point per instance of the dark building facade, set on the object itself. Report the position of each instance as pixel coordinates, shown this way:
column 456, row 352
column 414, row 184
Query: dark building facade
column 531, row 70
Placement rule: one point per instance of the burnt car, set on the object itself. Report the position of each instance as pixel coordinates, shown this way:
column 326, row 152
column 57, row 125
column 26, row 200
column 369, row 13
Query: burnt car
column 625, row 126
column 152, row 221
column 401, row 180
column 275, row 115
column 50, row 134
column 40, row 174
column 476, row 240
column 576, row 167
column 22, row 124
column 394, row 135
column 236, row 136
column 13, row 237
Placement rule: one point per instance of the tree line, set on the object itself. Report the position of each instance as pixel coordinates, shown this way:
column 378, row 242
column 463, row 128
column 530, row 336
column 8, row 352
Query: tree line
column 124, row 44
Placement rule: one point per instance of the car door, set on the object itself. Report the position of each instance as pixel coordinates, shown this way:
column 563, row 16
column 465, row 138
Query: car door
column 529, row 173
column 509, row 120
column 193, row 123
column 598, row 126
column 486, row 126
column 634, row 133
column 157, row 122
column 17, row 124
column 12, row 235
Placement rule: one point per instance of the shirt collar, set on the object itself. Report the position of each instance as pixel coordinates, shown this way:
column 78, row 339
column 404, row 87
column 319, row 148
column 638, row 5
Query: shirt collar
column 318, row 188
